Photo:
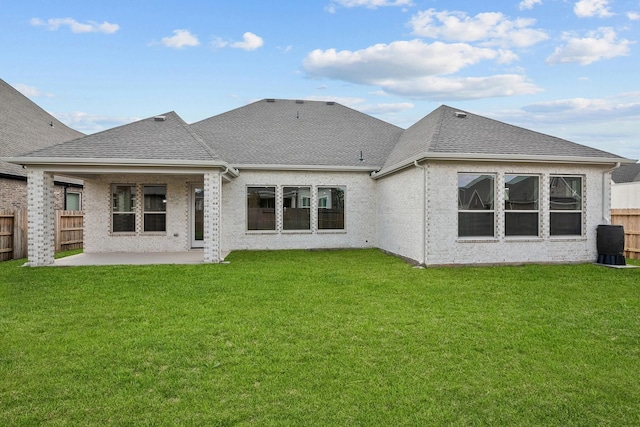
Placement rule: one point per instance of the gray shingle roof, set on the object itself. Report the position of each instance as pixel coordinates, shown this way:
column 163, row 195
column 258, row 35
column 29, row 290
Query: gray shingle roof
column 163, row 137
column 626, row 173
column 451, row 131
column 289, row 132
column 24, row 126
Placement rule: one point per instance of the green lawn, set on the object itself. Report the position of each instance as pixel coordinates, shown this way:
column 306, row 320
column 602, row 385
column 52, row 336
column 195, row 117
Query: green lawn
column 321, row 338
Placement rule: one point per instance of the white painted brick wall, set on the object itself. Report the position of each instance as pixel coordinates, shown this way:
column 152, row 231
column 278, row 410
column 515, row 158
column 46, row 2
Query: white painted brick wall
column 400, row 213
column 360, row 215
column 97, row 221
column 444, row 247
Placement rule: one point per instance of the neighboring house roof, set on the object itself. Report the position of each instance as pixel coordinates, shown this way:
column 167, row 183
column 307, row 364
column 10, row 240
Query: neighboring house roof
column 24, row 126
column 626, row 173
column 163, row 137
column 450, row 132
column 289, row 132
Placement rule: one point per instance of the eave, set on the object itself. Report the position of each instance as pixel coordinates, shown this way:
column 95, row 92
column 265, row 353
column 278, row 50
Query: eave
column 501, row 158
column 96, row 166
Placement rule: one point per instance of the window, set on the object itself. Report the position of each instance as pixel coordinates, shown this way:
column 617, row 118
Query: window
column 476, row 205
column 296, row 208
column 330, row 208
column 155, row 208
column 521, row 205
column 123, row 206
column 261, row 208
column 72, row 201
column 565, row 205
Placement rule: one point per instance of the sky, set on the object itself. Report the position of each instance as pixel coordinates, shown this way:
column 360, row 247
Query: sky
column 568, row 68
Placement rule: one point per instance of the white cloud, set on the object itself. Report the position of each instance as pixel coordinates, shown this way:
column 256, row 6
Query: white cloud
column 460, row 88
column 92, row 123
column 75, row 26
column 634, row 16
column 31, row 91
column 180, row 39
column 528, row 4
column 490, row 28
column 596, row 46
column 400, row 59
column 589, row 8
column 249, row 42
column 370, row 4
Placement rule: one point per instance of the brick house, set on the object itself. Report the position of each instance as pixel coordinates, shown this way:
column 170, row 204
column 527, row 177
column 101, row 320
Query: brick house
column 24, row 126
column 455, row 188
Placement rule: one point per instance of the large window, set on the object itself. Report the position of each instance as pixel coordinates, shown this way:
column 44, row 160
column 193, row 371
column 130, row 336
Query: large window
column 476, row 208
column 296, row 208
column 521, row 205
column 330, row 208
column 123, row 207
column 261, row 208
column 565, row 203
column 155, row 208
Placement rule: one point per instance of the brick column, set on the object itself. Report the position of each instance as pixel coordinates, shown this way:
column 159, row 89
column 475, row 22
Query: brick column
column 41, row 218
column 212, row 215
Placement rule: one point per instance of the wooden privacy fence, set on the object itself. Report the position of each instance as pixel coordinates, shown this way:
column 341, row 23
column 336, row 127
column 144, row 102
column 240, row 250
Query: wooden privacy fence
column 13, row 232
column 630, row 220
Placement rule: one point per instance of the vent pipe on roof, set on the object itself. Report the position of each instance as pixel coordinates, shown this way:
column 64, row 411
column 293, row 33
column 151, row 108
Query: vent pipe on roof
column 331, row 103
column 271, row 100
column 460, row 114
column 160, row 118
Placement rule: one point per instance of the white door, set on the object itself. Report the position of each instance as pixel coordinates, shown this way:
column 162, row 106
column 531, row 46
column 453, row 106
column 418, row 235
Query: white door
column 197, row 215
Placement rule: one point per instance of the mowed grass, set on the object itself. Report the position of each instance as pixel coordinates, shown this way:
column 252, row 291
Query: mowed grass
column 352, row 337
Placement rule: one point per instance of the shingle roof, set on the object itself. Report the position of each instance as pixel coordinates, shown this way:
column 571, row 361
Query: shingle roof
column 163, row 137
column 451, row 131
column 626, row 173
column 24, row 126
column 289, row 132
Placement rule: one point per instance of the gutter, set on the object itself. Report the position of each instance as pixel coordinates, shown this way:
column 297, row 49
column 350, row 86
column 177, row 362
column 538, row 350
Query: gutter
column 606, row 195
column 423, row 227
column 503, row 158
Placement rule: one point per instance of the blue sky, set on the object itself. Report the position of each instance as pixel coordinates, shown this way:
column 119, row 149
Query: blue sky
column 569, row 68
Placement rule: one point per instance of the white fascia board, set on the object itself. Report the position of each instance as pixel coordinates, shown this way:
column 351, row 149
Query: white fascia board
column 102, row 166
column 321, row 168
column 502, row 158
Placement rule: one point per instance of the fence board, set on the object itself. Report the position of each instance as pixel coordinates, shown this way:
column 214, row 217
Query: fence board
column 630, row 220
column 13, row 232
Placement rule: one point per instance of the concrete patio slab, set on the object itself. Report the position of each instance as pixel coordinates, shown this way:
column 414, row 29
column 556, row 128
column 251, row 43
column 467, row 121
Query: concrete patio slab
column 130, row 258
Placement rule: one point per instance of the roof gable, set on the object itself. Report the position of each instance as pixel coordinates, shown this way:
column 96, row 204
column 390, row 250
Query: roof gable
column 450, row 131
column 163, row 137
column 24, row 126
column 290, row 132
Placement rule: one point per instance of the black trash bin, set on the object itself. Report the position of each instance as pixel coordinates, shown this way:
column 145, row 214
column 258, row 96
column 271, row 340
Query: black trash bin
column 610, row 242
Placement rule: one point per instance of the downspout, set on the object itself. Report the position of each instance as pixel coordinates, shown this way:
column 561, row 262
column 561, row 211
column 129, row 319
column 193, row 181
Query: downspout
column 606, row 213
column 423, row 226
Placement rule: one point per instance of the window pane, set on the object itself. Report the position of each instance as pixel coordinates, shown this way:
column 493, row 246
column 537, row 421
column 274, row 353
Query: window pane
column 124, row 223
column 566, row 224
column 475, row 192
column 521, row 224
column 296, row 212
column 566, row 193
column 155, row 198
column 521, row 192
column 472, row 224
column 72, row 202
column 124, row 198
column 261, row 208
column 331, row 208
column 155, row 222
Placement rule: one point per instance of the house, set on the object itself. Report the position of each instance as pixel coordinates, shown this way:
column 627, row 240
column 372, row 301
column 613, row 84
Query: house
column 454, row 188
column 24, row 126
column 625, row 191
